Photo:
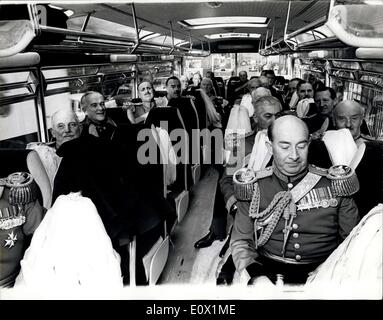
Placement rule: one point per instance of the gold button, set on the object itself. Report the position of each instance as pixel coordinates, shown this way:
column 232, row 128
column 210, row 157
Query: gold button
column 289, row 185
column 298, row 257
column 297, row 246
column 295, row 235
column 295, row 226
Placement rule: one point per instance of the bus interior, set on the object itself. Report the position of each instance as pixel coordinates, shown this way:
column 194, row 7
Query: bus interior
column 52, row 52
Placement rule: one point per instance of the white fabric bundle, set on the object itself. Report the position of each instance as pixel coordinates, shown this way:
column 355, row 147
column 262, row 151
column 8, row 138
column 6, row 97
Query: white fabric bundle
column 260, row 155
column 303, row 107
column 239, row 121
column 15, row 36
column 356, row 264
column 49, row 158
column 70, row 250
column 340, row 146
column 168, row 155
column 247, row 102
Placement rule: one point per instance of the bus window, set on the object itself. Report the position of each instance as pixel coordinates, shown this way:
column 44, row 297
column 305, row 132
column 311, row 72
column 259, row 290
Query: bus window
column 18, row 122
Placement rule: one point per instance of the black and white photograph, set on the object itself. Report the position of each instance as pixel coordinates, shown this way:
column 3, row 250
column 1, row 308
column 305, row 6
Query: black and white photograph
column 191, row 155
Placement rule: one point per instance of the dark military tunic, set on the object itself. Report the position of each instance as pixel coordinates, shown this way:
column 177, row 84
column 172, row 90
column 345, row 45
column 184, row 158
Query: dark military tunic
column 13, row 231
column 316, row 230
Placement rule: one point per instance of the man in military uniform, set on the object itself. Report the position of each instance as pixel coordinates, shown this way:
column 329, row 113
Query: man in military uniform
column 265, row 110
column 20, row 215
column 296, row 214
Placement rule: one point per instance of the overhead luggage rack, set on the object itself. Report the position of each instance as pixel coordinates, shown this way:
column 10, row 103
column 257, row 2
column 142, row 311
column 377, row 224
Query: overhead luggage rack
column 336, row 30
column 98, row 35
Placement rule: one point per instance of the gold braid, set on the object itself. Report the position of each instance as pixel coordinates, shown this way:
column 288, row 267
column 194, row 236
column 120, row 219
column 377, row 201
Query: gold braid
column 277, row 206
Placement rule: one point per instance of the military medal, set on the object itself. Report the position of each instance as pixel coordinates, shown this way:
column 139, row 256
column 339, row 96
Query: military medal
column 333, row 202
column 325, row 203
column 11, row 240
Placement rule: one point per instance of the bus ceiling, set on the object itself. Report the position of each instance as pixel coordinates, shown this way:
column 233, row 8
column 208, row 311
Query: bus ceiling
column 95, row 30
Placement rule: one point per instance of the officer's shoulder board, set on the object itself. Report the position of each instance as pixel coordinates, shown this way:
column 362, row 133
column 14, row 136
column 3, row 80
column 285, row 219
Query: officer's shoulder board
column 318, row 170
column 264, row 173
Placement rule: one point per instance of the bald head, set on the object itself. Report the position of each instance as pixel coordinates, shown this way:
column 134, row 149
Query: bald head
column 349, row 114
column 289, row 138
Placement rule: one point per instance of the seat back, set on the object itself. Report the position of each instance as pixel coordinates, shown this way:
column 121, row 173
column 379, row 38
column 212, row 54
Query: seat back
column 199, row 105
column 231, row 85
column 172, row 119
column 36, row 168
column 189, row 116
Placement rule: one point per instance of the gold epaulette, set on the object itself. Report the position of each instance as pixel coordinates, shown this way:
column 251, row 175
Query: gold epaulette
column 344, row 181
column 22, row 189
column 318, row 170
column 244, row 180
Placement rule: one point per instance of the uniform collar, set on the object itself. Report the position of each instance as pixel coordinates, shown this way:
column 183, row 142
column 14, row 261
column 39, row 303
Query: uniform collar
column 289, row 179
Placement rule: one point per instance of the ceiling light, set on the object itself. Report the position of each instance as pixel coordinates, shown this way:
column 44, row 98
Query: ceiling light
column 69, row 13
column 225, row 19
column 214, row 5
column 231, row 35
column 55, row 7
column 229, row 25
column 374, row 2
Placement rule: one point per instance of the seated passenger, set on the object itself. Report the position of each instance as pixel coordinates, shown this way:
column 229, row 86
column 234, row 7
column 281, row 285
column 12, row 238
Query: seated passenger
column 184, row 84
column 325, row 99
column 294, row 231
column 247, row 99
column 219, row 103
column 21, row 213
column 173, row 90
column 241, row 88
column 349, row 114
column 225, row 201
column 195, row 83
column 96, row 121
column 139, row 112
column 214, row 109
column 65, row 127
column 291, row 97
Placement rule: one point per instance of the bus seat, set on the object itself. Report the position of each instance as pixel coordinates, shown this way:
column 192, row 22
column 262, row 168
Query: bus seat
column 179, row 194
column 231, row 85
column 189, row 116
column 158, row 261
column 36, row 168
column 118, row 115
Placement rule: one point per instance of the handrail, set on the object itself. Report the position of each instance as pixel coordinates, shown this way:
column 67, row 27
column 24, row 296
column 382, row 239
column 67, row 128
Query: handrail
column 308, row 27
